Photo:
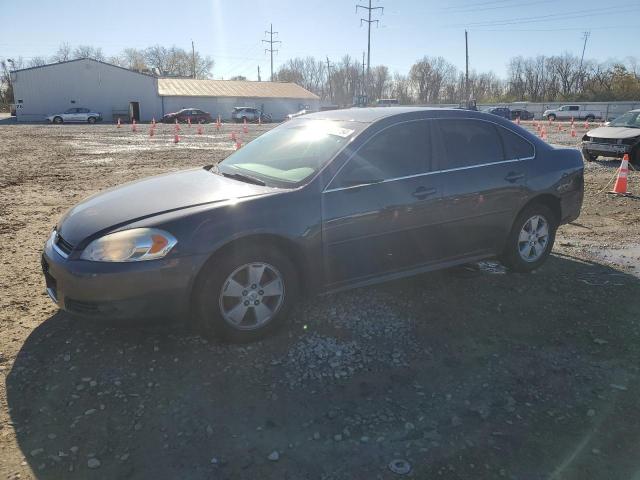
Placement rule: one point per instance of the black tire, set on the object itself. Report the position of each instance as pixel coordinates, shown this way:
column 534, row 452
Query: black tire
column 58, row 120
column 91, row 120
column 589, row 118
column 511, row 257
column 551, row 117
column 208, row 316
column 589, row 157
column 635, row 157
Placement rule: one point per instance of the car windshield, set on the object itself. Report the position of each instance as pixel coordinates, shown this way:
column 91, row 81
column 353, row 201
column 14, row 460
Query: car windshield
column 290, row 154
column 629, row 119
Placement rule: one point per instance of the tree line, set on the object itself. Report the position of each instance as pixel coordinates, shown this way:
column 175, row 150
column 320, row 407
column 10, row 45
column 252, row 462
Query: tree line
column 433, row 80
column 430, row 80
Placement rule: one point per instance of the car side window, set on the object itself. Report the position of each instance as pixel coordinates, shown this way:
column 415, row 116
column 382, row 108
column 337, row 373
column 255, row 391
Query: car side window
column 469, row 142
column 398, row 151
column 574, row 107
column 515, row 147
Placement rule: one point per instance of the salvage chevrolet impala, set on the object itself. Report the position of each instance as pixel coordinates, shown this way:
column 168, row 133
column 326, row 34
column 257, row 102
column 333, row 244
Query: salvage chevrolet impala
column 324, row 202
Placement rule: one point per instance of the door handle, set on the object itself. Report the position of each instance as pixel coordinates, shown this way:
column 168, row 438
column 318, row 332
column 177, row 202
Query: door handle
column 423, row 192
column 514, row 177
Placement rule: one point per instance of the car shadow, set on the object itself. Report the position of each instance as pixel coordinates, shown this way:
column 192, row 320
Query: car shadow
column 514, row 373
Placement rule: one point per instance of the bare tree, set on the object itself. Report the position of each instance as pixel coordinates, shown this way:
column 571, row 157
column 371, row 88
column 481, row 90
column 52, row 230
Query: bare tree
column 430, row 76
column 37, row 62
column 177, row 62
column 87, row 51
column 379, row 83
column 401, row 89
column 63, row 54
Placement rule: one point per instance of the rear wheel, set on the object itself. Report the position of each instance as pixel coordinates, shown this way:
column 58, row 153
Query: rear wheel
column 91, row 120
column 531, row 239
column 551, row 117
column 245, row 294
column 590, row 118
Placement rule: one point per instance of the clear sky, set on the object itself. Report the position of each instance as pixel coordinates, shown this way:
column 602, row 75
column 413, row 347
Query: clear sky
column 230, row 31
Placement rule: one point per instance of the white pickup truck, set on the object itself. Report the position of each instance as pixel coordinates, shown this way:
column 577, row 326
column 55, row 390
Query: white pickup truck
column 577, row 112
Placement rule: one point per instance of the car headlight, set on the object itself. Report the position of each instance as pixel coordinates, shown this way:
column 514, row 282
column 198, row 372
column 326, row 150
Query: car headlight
column 138, row 244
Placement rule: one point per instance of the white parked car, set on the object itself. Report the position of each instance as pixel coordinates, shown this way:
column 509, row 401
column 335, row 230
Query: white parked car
column 577, row 112
column 81, row 115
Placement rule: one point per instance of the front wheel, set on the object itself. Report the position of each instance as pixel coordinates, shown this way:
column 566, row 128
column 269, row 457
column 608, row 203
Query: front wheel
column 531, row 239
column 588, row 156
column 551, row 117
column 245, row 294
column 590, row 118
column 57, row 120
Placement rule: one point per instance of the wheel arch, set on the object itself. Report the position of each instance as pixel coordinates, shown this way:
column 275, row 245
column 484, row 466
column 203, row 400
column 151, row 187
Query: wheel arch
column 550, row 201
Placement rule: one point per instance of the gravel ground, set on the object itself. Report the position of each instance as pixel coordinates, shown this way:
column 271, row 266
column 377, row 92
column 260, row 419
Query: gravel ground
column 467, row 373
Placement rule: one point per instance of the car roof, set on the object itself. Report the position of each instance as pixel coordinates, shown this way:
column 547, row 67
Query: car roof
column 373, row 114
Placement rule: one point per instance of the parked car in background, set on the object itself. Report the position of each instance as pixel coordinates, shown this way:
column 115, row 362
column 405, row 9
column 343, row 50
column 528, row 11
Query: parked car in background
column 298, row 114
column 325, row 202
column 567, row 112
column 503, row 112
column 186, row 114
column 387, row 102
column 250, row 114
column 79, row 115
column 620, row 136
column 522, row 114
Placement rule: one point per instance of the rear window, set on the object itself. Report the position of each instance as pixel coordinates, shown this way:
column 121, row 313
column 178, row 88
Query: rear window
column 515, row 147
column 470, row 142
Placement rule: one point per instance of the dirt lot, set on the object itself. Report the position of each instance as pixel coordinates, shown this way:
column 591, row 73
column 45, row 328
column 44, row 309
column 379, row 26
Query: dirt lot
column 469, row 373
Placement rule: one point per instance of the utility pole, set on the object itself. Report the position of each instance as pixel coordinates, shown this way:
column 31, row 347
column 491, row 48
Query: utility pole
column 369, row 22
column 329, row 78
column 271, row 41
column 259, row 79
column 466, row 71
column 362, row 94
column 586, row 36
column 193, row 59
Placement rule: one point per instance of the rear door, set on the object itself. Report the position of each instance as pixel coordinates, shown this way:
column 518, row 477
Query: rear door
column 484, row 176
column 381, row 211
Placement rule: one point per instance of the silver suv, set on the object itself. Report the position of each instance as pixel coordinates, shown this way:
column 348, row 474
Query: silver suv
column 83, row 115
column 240, row 114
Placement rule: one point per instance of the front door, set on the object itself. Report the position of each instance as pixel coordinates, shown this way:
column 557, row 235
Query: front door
column 484, row 174
column 134, row 111
column 381, row 212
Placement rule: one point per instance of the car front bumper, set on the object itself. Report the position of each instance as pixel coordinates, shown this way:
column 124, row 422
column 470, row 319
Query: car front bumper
column 606, row 149
column 156, row 288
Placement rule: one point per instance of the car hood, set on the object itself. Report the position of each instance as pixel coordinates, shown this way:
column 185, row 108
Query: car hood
column 148, row 197
column 614, row 132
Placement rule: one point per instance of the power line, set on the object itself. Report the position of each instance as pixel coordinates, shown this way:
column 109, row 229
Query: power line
column 369, row 22
column 271, row 41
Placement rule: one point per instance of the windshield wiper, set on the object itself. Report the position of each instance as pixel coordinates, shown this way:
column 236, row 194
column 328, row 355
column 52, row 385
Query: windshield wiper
column 244, row 178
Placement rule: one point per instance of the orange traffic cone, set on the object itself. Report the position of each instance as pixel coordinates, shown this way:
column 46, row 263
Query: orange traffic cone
column 177, row 128
column 233, row 136
column 559, row 127
column 543, row 134
column 517, row 120
column 238, row 145
column 152, row 132
column 134, row 128
column 189, row 121
column 586, row 125
column 176, row 138
column 620, row 187
column 119, row 125
column 153, row 121
column 244, row 126
column 573, row 131
column 199, row 130
column 572, row 121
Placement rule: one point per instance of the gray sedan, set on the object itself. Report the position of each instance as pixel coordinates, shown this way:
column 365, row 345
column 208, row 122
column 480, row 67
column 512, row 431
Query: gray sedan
column 620, row 136
column 76, row 115
column 325, row 202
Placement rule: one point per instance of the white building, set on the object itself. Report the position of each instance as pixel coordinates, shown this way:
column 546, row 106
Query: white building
column 117, row 92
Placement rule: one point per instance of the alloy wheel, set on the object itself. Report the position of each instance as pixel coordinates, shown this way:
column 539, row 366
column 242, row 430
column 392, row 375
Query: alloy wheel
column 533, row 239
column 251, row 296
